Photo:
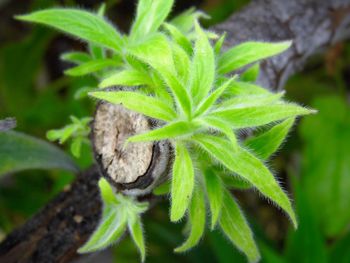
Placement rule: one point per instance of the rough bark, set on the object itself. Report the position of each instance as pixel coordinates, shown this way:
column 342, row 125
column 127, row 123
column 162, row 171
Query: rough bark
column 312, row 25
column 62, row 226
column 135, row 168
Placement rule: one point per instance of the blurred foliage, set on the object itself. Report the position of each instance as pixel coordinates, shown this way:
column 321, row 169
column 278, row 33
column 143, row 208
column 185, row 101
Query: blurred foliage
column 19, row 152
column 325, row 175
column 33, row 89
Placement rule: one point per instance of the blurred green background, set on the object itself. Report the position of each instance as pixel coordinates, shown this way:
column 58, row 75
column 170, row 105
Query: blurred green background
column 314, row 164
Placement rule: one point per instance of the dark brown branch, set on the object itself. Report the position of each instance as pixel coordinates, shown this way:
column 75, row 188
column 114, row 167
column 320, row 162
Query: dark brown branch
column 312, row 25
column 54, row 234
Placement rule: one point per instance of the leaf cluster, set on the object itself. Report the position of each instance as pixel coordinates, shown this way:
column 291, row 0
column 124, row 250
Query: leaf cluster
column 119, row 213
column 185, row 83
column 77, row 132
column 201, row 111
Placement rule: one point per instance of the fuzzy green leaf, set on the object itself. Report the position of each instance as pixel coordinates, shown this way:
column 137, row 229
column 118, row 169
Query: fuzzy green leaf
column 182, row 63
column 109, row 230
column 203, row 67
column 244, row 101
column 212, row 98
column 197, row 214
column 247, row 53
column 91, row 67
column 234, row 181
column 221, row 126
column 127, row 77
column 135, row 229
column 158, row 54
column 249, row 167
column 106, row 192
column 215, row 189
column 185, row 21
column 265, row 144
column 245, row 88
column 149, row 106
column 149, row 16
column 218, row 44
column 236, row 228
column 82, row 24
column 251, row 74
column 96, row 51
column 169, row 131
column 253, row 116
column 76, row 57
column 179, row 38
column 182, row 183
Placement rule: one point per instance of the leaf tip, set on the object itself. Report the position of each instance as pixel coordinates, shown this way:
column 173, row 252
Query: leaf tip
column 22, row 17
column 286, row 44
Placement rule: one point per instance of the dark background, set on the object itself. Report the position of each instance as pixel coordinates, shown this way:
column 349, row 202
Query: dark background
column 314, row 165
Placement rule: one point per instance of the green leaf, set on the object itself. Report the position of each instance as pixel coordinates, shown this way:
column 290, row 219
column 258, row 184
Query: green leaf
column 76, row 57
column 251, row 74
column 158, row 54
column 110, row 229
column 76, row 146
column 218, row 44
column 107, row 192
column 253, row 116
column 235, row 182
column 235, row 227
column 169, row 131
column 82, row 92
column 203, row 67
column 78, row 128
column 245, row 88
column 185, row 21
column 182, row 183
column 97, row 51
column 135, row 228
column 62, row 135
column 212, row 98
column 247, row 166
column 182, row 63
column 247, row 53
column 91, row 67
column 119, row 212
column 78, row 23
column 147, row 105
column 244, row 101
column 149, row 16
column 179, row 38
column 265, row 144
column 221, row 126
column 197, row 214
column 19, row 152
column 215, row 189
column 127, row 77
